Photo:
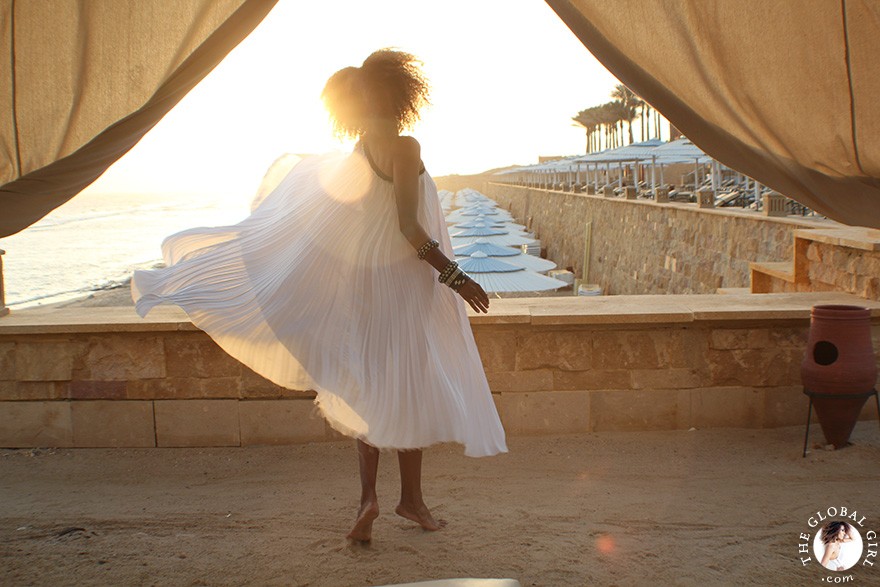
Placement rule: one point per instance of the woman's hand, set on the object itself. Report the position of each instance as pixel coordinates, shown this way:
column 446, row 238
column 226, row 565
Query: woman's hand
column 474, row 295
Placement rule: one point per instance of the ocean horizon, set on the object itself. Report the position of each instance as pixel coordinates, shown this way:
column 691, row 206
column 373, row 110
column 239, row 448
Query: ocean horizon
column 96, row 240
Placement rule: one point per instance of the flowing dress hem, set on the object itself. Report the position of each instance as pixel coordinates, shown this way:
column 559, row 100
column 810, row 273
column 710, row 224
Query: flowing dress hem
column 355, row 435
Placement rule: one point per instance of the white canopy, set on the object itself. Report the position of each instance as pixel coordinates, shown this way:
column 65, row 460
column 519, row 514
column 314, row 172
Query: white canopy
column 503, row 239
column 508, row 254
column 495, row 275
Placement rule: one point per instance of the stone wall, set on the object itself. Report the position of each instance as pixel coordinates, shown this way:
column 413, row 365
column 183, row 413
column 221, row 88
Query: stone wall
column 837, row 268
column 840, row 259
column 641, row 247
column 554, row 365
column 117, row 388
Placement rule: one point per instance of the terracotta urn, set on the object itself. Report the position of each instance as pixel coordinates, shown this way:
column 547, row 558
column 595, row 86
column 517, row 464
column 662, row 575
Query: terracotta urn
column 840, row 366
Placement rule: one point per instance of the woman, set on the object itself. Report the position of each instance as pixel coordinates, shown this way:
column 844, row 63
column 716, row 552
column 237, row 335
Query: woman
column 833, row 535
column 331, row 284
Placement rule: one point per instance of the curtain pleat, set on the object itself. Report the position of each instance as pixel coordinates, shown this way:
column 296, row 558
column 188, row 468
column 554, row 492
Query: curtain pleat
column 82, row 82
column 782, row 91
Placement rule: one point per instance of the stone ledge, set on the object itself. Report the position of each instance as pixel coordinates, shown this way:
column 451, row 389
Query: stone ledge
column 783, row 270
column 800, row 221
column 574, row 310
column 866, row 239
column 101, row 319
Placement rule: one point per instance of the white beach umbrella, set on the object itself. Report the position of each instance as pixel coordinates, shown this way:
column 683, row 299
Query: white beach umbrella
column 467, row 197
column 498, row 237
column 467, row 215
column 484, row 222
column 507, row 254
column 478, row 209
column 529, row 262
column 479, row 231
column 484, row 246
column 505, row 227
column 479, row 223
column 464, row 214
column 474, row 202
column 514, row 227
column 495, row 275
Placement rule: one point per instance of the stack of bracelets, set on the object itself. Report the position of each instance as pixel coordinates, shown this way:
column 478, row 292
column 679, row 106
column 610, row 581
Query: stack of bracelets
column 451, row 274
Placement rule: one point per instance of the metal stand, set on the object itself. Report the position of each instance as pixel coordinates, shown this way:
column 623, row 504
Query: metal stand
column 813, row 394
column 3, row 309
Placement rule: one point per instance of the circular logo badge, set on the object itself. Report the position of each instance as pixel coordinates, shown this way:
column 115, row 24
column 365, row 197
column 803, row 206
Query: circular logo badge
column 837, row 545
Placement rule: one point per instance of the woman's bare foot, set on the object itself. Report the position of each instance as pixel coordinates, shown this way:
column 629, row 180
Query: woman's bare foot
column 419, row 514
column 363, row 527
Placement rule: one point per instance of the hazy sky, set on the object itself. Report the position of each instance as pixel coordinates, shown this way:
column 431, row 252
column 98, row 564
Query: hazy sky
column 506, row 75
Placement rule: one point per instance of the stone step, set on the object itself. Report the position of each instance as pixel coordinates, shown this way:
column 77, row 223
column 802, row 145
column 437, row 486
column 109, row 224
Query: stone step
column 780, row 269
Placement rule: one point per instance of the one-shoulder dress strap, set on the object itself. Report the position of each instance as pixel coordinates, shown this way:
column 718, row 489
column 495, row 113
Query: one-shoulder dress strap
column 375, row 167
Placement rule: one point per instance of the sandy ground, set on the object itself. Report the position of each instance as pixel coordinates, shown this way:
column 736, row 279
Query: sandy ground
column 113, row 296
column 704, row 507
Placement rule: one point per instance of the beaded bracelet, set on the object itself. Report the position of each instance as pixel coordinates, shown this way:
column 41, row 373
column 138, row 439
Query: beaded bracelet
column 447, row 271
column 459, row 281
column 453, row 276
column 423, row 250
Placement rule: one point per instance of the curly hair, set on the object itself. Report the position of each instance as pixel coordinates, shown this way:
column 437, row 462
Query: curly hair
column 831, row 529
column 390, row 83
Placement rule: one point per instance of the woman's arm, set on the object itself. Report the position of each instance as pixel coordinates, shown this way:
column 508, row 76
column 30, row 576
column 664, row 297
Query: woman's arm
column 407, row 162
column 405, row 174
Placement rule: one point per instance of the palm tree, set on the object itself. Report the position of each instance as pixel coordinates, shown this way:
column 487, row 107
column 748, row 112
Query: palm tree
column 603, row 124
column 586, row 119
column 619, row 114
column 608, row 118
column 580, row 119
column 630, row 103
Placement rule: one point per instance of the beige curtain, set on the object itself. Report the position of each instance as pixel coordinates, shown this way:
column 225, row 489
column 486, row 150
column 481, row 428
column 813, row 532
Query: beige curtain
column 83, row 81
column 784, row 91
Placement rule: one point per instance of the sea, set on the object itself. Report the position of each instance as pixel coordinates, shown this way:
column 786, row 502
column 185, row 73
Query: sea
column 96, row 240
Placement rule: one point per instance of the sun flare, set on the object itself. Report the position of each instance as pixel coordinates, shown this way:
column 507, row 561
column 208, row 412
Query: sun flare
column 506, row 76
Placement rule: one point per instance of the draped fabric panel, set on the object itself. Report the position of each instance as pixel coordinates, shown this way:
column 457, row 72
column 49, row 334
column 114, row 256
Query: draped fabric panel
column 783, row 91
column 83, row 81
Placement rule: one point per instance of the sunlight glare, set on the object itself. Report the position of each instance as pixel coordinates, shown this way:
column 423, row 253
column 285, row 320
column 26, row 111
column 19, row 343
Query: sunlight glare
column 350, row 183
column 506, row 78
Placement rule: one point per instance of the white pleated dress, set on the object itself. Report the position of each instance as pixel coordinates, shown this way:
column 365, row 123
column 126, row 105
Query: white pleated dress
column 318, row 289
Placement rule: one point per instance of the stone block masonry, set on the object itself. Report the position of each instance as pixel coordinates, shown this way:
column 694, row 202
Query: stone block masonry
column 833, row 259
column 102, row 377
column 643, row 247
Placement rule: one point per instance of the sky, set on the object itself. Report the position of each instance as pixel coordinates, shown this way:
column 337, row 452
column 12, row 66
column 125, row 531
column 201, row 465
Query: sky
column 506, row 77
